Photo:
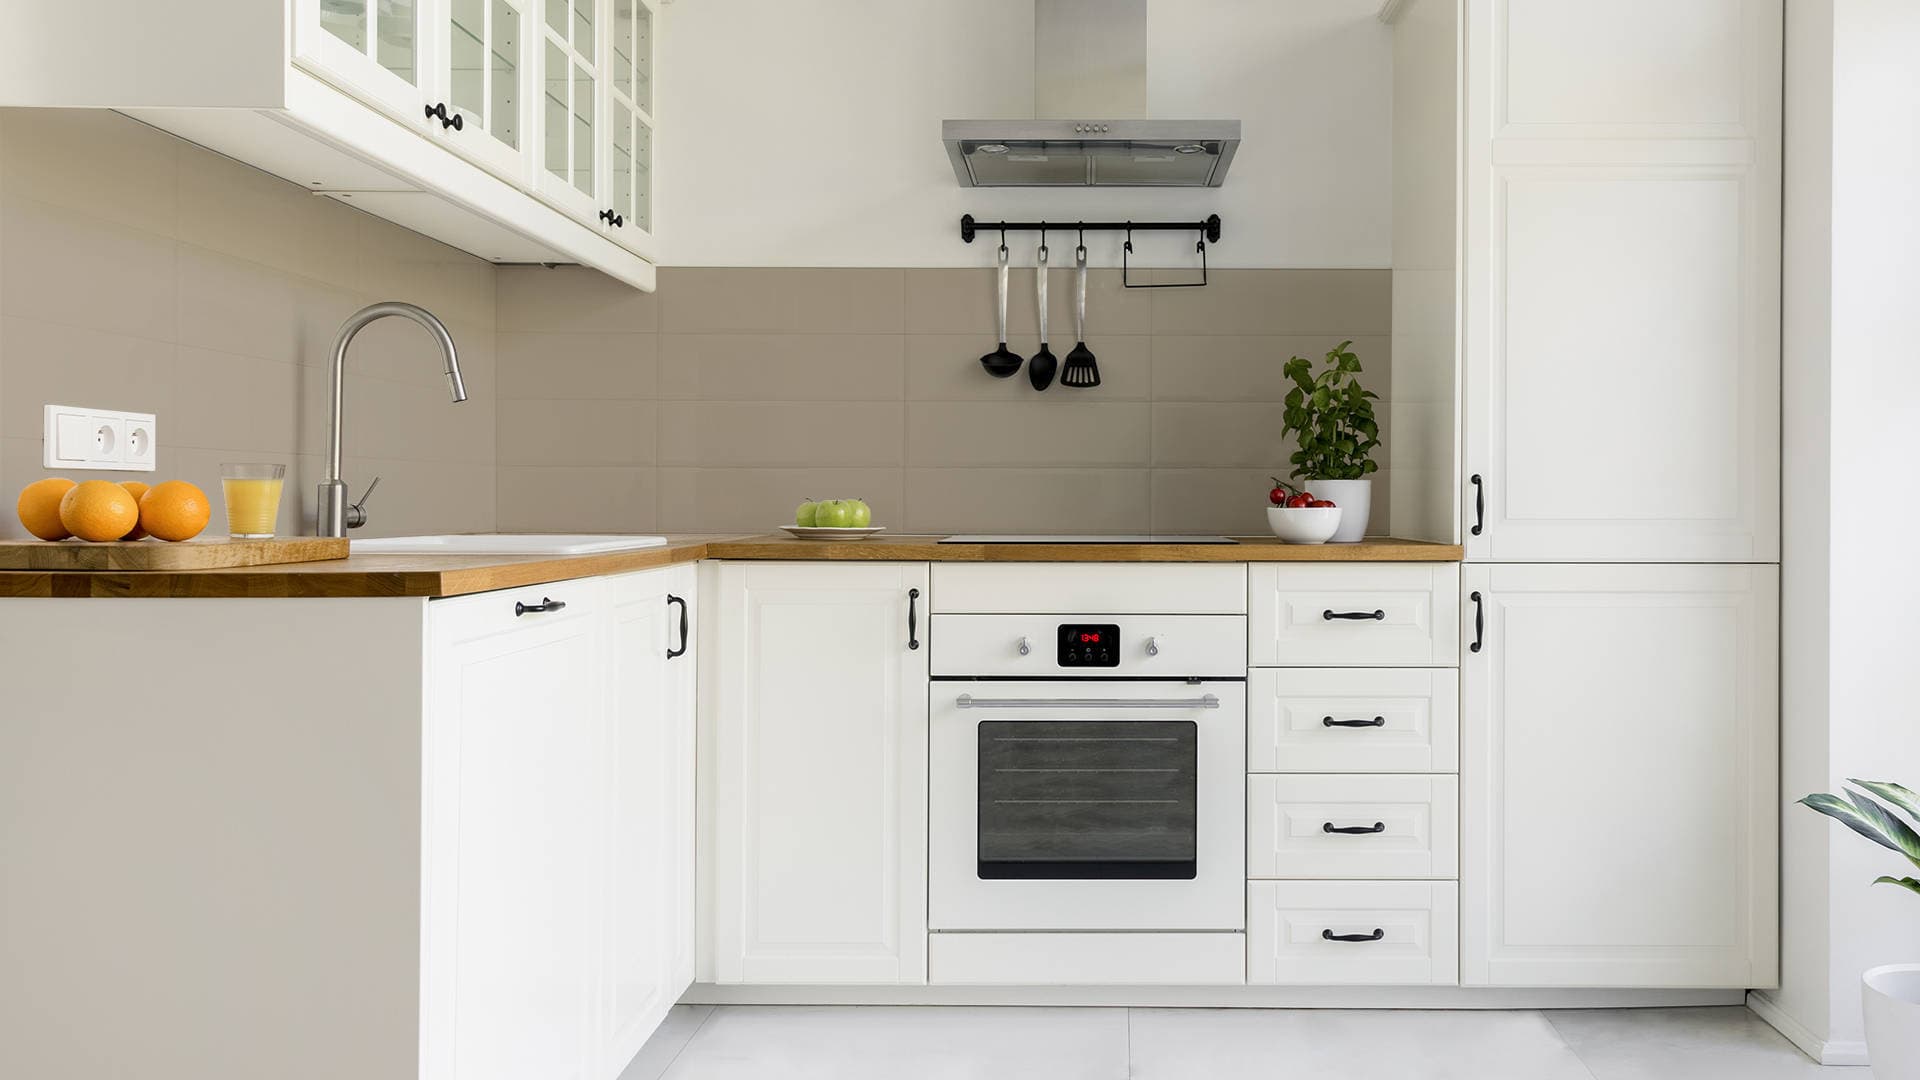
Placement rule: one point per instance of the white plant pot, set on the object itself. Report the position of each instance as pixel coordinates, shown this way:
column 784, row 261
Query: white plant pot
column 1355, row 500
column 1891, row 997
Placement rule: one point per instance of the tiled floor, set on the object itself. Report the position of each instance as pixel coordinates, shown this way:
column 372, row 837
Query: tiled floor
column 701, row 1042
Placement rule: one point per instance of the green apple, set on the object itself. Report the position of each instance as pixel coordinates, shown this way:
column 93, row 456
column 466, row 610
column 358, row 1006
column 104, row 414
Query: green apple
column 806, row 515
column 862, row 513
column 834, row 514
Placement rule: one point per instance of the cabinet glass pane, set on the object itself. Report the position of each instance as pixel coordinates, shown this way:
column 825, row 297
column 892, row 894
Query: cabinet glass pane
column 557, row 17
column 643, row 59
column 503, row 59
column 623, row 46
column 466, row 39
column 583, row 130
column 621, row 166
column 346, row 20
column 396, row 48
column 583, row 27
column 554, row 153
column 642, row 215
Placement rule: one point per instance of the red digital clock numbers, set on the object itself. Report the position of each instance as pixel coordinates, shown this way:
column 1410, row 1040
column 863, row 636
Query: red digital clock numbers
column 1089, row 639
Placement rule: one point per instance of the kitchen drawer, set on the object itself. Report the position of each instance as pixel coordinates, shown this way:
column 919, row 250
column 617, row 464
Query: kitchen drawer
column 1353, row 614
column 1291, row 822
column 1290, row 925
column 1302, row 720
column 1066, row 588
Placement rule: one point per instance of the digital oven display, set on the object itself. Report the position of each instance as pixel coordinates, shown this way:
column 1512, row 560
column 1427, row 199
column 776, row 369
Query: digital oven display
column 1089, row 645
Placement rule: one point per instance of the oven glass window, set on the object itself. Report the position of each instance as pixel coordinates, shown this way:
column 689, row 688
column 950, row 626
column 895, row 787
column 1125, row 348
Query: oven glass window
column 1088, row 799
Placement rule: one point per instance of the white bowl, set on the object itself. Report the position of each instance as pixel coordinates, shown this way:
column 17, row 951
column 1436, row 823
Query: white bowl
column 1303, row 524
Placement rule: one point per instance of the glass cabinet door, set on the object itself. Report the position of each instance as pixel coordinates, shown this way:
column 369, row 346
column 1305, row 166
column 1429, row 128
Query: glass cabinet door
column 369, row 48
column 567, row 173
column 630, row 123
column 485, row 83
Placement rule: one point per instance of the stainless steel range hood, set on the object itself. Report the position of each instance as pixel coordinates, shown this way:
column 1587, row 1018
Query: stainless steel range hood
column 1090, row 104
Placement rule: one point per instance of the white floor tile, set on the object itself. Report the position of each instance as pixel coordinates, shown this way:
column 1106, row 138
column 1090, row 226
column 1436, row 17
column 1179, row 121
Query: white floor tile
column 1257, row 1044
column 928, row 1043
column 1727, row 1043
column 668, row 1040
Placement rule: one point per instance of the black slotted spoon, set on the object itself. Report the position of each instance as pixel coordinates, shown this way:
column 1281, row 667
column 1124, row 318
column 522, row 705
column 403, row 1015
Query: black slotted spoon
column 1082, row 371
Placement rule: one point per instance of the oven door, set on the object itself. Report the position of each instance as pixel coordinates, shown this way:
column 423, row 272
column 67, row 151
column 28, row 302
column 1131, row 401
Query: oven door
column 1087, row 805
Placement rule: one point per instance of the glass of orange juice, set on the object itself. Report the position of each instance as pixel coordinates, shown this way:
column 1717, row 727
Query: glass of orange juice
column 252, row 495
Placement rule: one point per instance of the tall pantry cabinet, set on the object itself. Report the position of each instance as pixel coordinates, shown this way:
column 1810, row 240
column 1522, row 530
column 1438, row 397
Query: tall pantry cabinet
column 1616, row 314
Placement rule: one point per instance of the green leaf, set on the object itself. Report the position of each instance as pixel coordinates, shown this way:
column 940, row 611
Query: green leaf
column 1903, row 882
column 1893, row 793
column 1844, row 812
column 1892, row 826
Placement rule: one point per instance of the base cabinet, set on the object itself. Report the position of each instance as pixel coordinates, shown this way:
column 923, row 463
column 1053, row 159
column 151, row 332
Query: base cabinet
column 818, row 706
column 558, row 784
column 1619, row 776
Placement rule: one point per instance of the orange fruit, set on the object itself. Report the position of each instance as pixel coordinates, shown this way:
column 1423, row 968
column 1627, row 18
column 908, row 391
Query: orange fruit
column 39, row 507
column 99, row 510
column 136, row 489
column 175, row 510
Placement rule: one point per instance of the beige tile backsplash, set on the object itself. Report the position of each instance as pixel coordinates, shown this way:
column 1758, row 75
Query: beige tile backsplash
column 140, row 272
column 773, row 385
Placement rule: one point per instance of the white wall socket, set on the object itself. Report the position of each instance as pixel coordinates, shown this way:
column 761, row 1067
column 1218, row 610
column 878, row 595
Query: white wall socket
column 78, row 438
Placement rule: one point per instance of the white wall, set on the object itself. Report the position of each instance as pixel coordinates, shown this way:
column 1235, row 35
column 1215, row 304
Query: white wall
column 845, row 167
column 1852, row 429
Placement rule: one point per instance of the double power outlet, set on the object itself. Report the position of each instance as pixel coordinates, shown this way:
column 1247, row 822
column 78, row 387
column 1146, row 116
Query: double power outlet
column 79, row 438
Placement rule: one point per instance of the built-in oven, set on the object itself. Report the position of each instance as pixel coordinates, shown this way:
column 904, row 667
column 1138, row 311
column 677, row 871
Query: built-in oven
column 1088, row 773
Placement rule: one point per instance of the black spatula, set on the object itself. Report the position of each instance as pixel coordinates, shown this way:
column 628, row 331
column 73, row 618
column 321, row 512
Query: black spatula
column 1082, row 371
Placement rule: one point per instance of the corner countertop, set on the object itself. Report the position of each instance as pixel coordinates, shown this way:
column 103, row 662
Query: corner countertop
column 458, row 575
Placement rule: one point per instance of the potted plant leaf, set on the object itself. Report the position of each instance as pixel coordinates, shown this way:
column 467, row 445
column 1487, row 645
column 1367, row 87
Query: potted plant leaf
column 1890, row 994
column 1332, row 416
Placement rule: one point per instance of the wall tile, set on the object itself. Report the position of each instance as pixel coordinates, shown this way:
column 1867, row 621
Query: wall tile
column 952, row 500
column 238, row 210
column 780, row 434
column 548, row 364
column 574, row 499
column 576, row 432
column 44, row 363
column 1241, row 367
column 962, row 301
column 946, row 367
column 783, row 367
column 570, row 298
column 92, row 161
column 1306, row 302
column 66, row 266
column 762, row 499
column 767, row 299
column 1031, row 434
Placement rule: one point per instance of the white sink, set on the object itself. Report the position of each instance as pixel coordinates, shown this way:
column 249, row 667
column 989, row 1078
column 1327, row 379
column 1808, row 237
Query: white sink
column 502, row 544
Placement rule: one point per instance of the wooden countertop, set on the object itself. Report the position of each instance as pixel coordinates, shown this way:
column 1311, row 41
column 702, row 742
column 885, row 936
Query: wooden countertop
column 457, row 575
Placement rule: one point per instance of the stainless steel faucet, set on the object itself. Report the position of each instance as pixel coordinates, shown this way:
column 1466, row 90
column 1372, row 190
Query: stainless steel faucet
column 335, row 516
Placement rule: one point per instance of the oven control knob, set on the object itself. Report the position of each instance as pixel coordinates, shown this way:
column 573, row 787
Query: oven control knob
column 1025, row 646
column 1153, row 646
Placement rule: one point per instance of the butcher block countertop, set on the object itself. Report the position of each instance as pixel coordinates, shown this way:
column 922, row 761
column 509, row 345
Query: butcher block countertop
column 458, row 575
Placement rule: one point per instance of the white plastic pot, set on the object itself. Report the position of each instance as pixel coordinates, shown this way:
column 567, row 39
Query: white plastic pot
column 1355, row 500
column 1891, row 997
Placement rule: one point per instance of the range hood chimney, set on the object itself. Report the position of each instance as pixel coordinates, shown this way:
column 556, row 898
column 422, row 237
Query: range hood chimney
column 1090, row 126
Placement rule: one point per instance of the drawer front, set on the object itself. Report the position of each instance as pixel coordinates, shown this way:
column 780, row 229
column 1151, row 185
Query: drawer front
column 1324, row 720
column 1305, row 826
column 1065, row 588
column 1353, row 615
column 1408, row 933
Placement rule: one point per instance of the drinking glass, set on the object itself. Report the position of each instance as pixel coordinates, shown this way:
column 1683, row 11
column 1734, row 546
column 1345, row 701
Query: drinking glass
column 252, row 493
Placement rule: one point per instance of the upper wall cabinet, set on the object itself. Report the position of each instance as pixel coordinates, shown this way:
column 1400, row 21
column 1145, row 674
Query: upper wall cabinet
column 518, row 130
column 1621, row 274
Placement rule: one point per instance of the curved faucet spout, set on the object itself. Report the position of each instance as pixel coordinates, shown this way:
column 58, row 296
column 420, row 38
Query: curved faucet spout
column 334, row 518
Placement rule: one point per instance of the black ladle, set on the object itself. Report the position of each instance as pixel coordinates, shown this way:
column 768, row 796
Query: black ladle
column 1002, row 362
column 1041, row 368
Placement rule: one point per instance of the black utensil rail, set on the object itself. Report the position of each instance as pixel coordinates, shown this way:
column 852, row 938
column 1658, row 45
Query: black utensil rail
column 1209, row 230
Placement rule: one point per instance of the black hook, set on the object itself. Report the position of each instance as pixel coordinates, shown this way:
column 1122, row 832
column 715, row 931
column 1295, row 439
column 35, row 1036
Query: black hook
column 1082, row 228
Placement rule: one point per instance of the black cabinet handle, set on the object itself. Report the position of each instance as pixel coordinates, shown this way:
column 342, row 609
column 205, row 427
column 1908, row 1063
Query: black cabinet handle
column 1354, row 830
column 1375, row 936
column 1331, row 615
column 612, row 218
column 544, row 605
column 913, row 630
column 1378, row 721
column 682, row 650
column 1479, row 620
column 439, row 112
column 1479, row 503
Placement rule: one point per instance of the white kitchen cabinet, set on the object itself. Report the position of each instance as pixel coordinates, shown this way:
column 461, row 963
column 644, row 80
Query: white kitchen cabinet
column 1342, row 933
column 819, row 779
column 480, row 123
column 627, row 150
column 1620, row 281
column 1619, row 776
column 1352, row 614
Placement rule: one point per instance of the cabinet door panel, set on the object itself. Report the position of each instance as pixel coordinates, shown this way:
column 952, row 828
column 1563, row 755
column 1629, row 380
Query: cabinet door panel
column 1622, row 271
column 372, row 49
column 484, row 73
column 1620, row 747
column 513, row 836
column 820, row 837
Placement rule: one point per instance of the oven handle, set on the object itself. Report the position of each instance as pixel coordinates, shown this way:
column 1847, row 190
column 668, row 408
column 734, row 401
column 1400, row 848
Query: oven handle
column 968, row 701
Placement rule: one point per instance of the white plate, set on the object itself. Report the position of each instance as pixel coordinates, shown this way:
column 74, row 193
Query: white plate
column 822, row 532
